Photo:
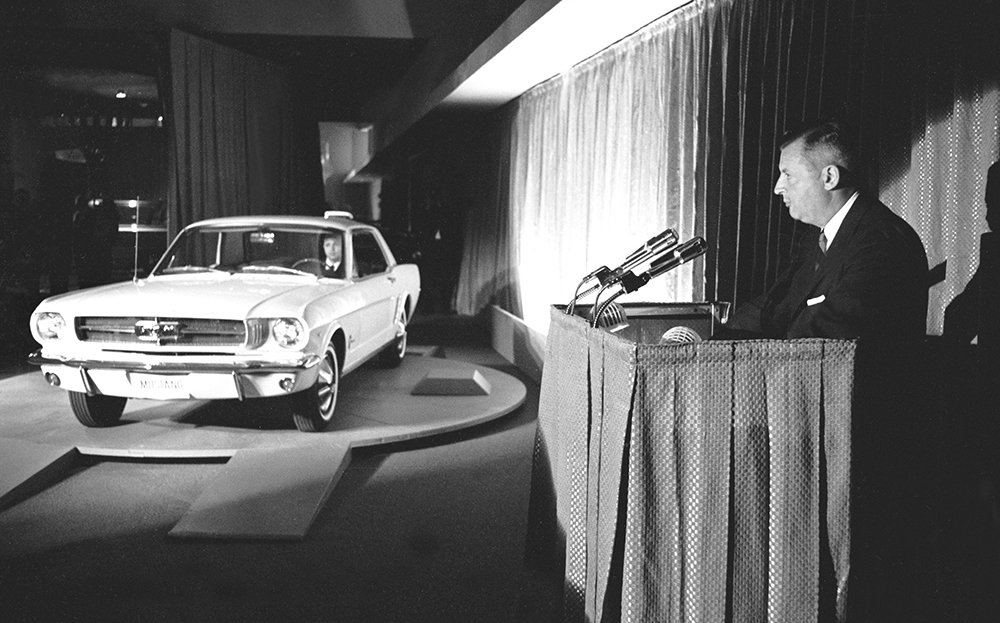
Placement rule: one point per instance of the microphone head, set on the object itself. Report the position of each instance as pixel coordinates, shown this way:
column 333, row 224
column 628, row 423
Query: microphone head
column 680, row 335
column 612, row 319
column 656, row 245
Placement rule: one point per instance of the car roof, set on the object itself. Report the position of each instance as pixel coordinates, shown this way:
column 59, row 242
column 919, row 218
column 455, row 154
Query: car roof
column 273, row 220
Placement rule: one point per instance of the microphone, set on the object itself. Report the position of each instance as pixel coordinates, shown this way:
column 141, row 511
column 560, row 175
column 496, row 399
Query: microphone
column 630, row 282
column 680, row 335
column 678, row 255
column 656, row 245
column 612, row 318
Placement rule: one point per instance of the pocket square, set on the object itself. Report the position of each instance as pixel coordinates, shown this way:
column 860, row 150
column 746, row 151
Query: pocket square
column 816, row 301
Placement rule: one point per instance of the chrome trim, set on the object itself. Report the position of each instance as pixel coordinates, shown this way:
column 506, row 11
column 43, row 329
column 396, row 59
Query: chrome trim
column 88, row 384
column 140, row 330
column 239, row 388
column 235, row 367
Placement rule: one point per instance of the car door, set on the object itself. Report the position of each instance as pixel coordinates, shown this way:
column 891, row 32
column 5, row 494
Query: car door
column 373, row 278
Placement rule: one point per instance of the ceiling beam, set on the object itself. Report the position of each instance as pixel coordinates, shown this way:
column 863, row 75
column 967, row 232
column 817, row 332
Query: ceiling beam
column 539, row 40
column 503, row 68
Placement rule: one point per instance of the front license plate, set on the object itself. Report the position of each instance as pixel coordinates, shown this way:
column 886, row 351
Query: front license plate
column 158, row 386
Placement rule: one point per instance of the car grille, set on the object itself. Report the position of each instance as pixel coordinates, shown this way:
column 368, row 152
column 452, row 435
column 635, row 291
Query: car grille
column 161, row 331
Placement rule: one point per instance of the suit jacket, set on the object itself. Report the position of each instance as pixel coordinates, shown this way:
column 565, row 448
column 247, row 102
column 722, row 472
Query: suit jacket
column 327, row 271
column 870, row 284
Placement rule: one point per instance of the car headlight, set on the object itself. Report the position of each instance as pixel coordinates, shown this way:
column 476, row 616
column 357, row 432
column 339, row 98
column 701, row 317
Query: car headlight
column 49, row 325
column 288, row 332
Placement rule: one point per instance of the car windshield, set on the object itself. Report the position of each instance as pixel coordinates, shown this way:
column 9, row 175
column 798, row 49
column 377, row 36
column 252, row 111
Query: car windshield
column 272, row 249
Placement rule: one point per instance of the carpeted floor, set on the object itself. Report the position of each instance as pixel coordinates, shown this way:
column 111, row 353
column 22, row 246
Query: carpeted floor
column 424, row 531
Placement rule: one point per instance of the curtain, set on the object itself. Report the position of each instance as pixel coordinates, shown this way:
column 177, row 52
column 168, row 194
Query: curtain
column 679, row 125
column 241, row 144
column 675, row 126
column 7, row 224
column 942, row 194
column 612, row 153
column 601, row 159
column 686, row 481
column 937, row 181
column 488, row 268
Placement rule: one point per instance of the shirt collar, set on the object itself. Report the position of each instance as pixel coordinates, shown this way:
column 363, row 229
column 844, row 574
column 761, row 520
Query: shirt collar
column 833, row 225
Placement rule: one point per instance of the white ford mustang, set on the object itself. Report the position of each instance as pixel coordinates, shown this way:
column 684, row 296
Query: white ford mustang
column 237, row 307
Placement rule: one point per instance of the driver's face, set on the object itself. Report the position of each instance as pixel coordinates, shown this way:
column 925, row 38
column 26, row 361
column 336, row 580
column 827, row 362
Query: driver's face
column 333, row 248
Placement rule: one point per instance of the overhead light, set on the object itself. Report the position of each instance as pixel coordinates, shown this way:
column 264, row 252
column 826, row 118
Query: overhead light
column 120, row 95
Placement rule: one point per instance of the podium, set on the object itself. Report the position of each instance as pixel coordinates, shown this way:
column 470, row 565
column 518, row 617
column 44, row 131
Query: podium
column 695, row 482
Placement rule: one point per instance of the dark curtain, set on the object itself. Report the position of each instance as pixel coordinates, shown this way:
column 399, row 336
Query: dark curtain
column 916, row 85
column 7, row 225
column 241, row 143
column 775, row 64
column 488, row 270
column 6, row 172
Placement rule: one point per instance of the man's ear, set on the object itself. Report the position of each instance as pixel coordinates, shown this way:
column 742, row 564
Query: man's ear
column 831, row 177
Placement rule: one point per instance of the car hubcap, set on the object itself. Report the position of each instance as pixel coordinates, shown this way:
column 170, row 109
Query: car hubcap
column 401, row 335
column 327, row 386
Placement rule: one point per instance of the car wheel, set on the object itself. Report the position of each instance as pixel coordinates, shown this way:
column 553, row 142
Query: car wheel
column 312, row 409
column 97, row 411
column 392, row 355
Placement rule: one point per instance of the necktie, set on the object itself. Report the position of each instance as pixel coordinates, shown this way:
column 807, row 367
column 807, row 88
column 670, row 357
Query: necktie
column 822, row 248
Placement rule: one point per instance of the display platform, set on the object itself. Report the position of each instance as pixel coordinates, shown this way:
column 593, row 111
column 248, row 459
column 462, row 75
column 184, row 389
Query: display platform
column 276, row 478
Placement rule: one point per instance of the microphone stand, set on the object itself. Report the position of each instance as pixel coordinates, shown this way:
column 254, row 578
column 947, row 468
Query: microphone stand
column 602, row 274
column 600, row 308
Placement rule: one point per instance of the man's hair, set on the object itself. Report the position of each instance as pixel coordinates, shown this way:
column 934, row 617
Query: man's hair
column 828, row 137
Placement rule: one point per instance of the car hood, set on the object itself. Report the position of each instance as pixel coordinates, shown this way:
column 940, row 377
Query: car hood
column 222, row 296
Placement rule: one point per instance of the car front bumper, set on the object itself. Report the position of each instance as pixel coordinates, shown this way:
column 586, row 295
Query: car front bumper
column 201, row 378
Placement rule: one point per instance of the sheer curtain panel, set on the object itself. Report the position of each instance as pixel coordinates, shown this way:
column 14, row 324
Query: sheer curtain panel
column 602, row 158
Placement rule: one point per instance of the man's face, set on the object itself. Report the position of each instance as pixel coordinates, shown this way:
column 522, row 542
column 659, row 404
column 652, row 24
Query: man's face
column 332, row 247
column 801, row 187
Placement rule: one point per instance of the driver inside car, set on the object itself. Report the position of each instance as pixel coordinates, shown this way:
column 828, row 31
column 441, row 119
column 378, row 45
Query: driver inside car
column 333, row 251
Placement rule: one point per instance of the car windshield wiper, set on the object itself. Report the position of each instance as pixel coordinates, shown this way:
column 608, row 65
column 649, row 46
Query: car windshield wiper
column 280, row 269
column 189, row 268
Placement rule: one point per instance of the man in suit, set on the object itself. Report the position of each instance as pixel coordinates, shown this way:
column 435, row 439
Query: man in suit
column 862, row 273
column 333, row 254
